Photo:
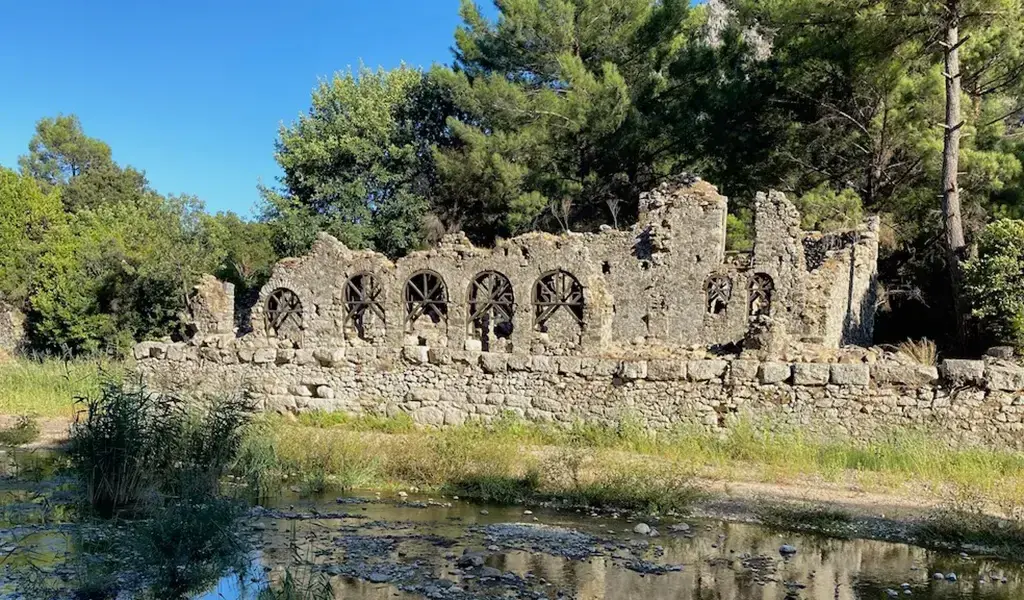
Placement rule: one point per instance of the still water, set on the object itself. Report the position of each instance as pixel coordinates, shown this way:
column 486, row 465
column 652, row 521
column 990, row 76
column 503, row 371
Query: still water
column 373, row 548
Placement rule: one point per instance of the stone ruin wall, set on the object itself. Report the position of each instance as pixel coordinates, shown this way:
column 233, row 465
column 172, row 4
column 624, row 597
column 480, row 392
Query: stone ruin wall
column 658, row 322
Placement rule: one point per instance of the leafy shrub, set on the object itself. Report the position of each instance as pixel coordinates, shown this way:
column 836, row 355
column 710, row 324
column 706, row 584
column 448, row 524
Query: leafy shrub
column 825, row 210
column 994, row 282
column 24, row 431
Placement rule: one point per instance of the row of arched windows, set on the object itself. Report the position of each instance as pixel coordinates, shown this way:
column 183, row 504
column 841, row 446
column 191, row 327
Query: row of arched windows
column 491, row 302
column 718, row 289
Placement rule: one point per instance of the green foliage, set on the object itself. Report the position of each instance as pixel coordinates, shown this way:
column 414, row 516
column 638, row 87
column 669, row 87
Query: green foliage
column 823, row 209
column 131, row 443
column 28, row 217
column 994, row 282
column 739, row 234
column 355, row 163
column 24, row 431
column 60, row 151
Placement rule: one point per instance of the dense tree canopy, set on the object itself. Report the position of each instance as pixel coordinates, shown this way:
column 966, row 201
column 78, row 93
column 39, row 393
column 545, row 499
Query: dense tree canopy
column 557, row 115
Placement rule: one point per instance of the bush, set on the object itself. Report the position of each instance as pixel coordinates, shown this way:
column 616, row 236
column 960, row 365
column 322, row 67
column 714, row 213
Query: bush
column 994, row 284
column 825, row 210
column 132, row 442
column 24, row 431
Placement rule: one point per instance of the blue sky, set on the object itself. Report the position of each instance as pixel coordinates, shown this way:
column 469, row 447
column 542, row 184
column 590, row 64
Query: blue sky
column 193, row 91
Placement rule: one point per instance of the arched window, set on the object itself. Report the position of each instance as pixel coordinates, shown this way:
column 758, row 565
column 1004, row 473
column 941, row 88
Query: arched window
column 364, row 305
column 719, row 292
column 425, row 296
column 554, row 292
column 761, row 289
column 491, row 306
column 284, row 313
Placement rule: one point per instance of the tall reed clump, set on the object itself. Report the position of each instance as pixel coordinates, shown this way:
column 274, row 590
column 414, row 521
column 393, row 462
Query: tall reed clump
column 129, row 443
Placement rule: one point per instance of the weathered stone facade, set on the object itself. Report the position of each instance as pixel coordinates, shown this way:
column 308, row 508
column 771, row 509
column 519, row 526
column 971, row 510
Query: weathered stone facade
column 657, row 322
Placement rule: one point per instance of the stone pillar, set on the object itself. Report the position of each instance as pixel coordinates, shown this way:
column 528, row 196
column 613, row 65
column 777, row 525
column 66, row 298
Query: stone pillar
column 212, row 307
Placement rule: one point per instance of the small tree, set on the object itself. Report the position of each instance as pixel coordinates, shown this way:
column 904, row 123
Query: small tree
column 994, row 282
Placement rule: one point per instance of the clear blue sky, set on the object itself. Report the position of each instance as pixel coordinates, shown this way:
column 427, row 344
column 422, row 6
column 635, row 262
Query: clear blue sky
column 193, row 91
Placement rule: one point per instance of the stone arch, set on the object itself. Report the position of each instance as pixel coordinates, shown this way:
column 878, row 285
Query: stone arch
column 557, row 294
column 364, row 305
column 718, row 293
column 284, row 314
column 759, row 301
column 425, row 296
column 491, row 303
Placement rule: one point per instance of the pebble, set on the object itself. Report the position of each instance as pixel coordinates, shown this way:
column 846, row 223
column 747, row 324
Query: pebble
column 642, row 528
column 938, row 576
column 377, row 577
column 403, row 494
column 485, row 512
column 951, row 577
column 527, row 512
column 787, row 550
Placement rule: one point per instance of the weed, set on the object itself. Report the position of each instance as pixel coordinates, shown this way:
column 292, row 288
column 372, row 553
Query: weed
column 497, row 489
column 923, row 351
column 807, row 517
column 24, row 431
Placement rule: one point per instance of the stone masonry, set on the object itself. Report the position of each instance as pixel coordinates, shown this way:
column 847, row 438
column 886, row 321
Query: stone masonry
column 657, row 322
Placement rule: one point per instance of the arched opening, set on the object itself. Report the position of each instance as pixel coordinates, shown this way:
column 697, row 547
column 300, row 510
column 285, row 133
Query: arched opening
column 491, row 306
column 557, row 295
column 364, row 305
column 760, row 298
column 425, row 298
column 284, row 314
column 719, row 292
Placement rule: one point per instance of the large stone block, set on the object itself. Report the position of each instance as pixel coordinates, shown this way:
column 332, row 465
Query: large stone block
column 706, row 370
column 890, row 373
column 493, row 362
column 330, row 357
column 633, row 369
column 1004, row 377
column 416, row 354
column 850, row 374
column 743, row 370
column 666, row 370
column 963, row 372
column 263, row 356
column 811, row 374
column 569, row 365
column 428, row 415
column 774, row 372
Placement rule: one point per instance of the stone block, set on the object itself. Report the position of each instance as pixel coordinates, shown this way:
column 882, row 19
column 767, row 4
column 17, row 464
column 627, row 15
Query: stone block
column 569, row 365
column 851, row 374
column 439, row 356
column 606, row 367
column 1001, row 352
column 245, row 355
column 474, row 345
column 706, row 370
column 424, row 395
column 142, row 349
column 416, row 354
column 743, row 370
column 175, row 352
column 890, row 373
column 493, row 362
column 361, row 354
column 325, row 391
column 963, row 372
column 1002, row 376
column 300, row 390
column 633, row 369
column 284, row 356
column 428, row 415
column 304, row 356
column 774, row 372
column 519, row 362
column 329, row 357
column 666, row 370
column 454, row 416
column 811, row 373
column 263, row 356
column 541, row 364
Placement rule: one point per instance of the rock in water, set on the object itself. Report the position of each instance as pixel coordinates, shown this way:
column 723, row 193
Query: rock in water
column 642, row 529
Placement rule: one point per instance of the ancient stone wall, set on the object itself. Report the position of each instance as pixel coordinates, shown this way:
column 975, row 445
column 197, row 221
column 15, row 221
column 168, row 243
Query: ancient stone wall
column 967, row 401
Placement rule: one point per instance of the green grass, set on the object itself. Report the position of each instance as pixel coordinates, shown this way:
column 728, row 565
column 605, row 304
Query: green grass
column 24, row 431
column 630, row 465
column 48, row 388
column 807, row 517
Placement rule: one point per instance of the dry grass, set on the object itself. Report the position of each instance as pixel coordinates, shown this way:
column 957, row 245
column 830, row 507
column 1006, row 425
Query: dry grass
column 922, row 351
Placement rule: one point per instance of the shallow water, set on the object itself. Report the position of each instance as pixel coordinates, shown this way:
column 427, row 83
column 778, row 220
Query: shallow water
column 417, row 549
column 373, row 548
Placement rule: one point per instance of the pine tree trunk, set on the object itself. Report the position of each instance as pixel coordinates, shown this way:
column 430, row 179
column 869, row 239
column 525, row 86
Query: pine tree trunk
column 951, row 214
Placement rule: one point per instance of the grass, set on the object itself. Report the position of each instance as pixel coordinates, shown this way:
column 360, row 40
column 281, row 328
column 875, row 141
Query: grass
column 807, row 517
column 625, row 465
column 48, row 388
column 24, row 431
